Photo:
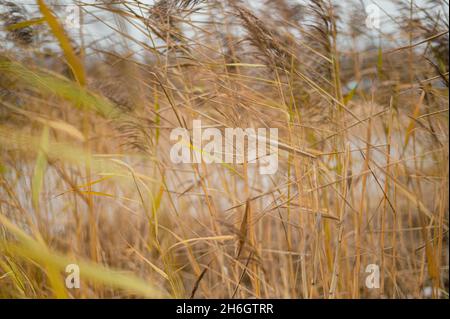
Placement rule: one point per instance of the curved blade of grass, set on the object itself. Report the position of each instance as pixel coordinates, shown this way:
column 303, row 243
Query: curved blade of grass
column 39, row 168
column 44, row 82
column 412, row 122
column 58, row 31
column 28, row 247
column 24, row 24
column 54, row 124
column 218, row 238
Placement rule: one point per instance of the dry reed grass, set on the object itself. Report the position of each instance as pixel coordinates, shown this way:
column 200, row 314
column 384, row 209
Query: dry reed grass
column 85, row 174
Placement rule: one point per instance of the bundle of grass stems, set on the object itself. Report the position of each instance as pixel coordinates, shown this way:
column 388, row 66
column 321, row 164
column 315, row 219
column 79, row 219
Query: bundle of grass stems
column 86, row 111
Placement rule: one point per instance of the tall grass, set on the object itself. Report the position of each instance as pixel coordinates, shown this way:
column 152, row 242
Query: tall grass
column 86, row 177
